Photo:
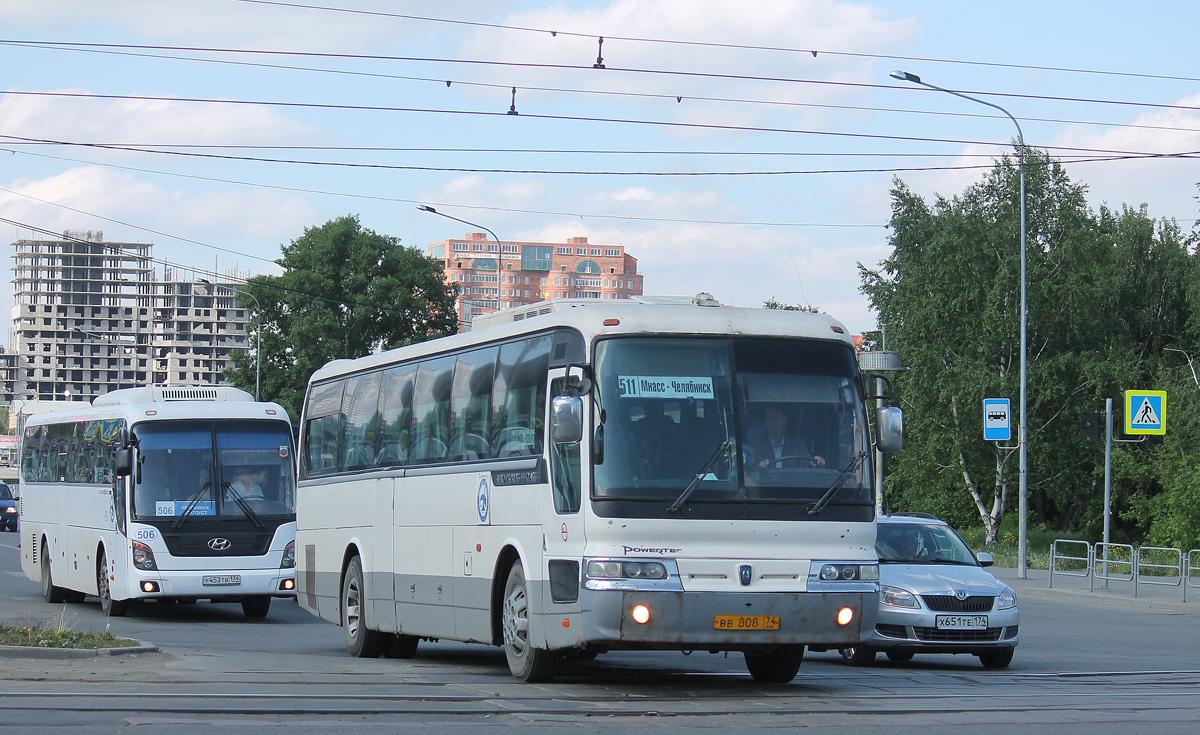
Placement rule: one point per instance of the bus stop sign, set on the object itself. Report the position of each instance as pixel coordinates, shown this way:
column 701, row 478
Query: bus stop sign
column 1145, row 412
column 997, row 420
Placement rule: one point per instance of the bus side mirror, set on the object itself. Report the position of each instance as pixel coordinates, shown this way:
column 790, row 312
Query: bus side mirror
column 889, row 423
column 123, row 462
column 566, row 418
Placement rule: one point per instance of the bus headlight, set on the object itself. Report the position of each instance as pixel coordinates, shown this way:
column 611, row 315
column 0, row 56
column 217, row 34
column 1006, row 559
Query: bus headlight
column 823, row 574
column 143, row 557
column 611, row 569
column 289, row 556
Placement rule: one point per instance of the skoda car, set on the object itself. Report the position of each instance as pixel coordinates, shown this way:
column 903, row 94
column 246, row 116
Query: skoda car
column 8, row 508
column 936, row 597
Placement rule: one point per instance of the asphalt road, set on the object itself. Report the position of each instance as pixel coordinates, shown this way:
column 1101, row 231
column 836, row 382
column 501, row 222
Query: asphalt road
column 1081, row 667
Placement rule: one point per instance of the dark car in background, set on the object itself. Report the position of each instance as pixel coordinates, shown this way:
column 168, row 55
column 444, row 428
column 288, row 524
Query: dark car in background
column 936, row 597
column 8, row 508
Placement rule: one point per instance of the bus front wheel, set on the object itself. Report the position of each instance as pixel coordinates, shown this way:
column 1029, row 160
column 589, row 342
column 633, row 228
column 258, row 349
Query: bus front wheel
column 50, row 593
column 257, row 606
column 361, row 641
column 525, row 661
column 109, row 606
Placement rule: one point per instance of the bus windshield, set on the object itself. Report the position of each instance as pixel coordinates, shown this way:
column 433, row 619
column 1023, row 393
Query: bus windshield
column 790, row 410
column 204, row 469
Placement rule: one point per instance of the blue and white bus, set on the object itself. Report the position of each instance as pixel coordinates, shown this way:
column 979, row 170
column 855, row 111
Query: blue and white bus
column 137, row 497
column 571, row 479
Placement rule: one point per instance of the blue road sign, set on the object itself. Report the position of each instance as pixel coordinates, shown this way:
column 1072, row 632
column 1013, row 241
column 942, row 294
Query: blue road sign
column 1145, row 412
column 997, row 420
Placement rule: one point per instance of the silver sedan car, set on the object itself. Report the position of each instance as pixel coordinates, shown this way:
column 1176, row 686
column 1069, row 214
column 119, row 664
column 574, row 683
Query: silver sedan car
column 935, row 597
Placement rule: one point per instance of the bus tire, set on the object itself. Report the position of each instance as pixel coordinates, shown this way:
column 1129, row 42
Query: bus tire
column 525, row 661
column 109, row 606
column 50, row 593
column 778, row 666
column 401, row 646
column 257, row 606
column 361, row 641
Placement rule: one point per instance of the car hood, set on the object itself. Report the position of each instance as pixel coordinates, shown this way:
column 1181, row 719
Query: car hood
column 940, row 579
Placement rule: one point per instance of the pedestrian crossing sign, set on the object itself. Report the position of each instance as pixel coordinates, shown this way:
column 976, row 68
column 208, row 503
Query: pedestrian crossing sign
column 1145, row 412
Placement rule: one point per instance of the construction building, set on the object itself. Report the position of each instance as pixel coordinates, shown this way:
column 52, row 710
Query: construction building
column 90, row 316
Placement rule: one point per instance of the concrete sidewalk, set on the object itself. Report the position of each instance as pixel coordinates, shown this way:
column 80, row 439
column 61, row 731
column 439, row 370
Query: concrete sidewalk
column 1151, row 597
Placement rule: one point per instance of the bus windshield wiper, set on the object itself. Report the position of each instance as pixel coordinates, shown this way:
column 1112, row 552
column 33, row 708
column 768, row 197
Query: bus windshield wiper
column 818, row 506
column 191, row 505
column 695, row 483
column 237, row 498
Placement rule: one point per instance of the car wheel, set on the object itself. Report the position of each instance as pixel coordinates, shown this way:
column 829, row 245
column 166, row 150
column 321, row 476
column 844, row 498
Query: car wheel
column 525, row 661
column 900, row 656
column 109, row 606
column 778, row 666
column 858, row 655
column 997, row 659
column 361, row 641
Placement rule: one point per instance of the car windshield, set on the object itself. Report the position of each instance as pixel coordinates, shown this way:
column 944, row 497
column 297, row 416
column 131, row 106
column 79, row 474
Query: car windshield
column 5, row 493
column 197, row 469
column 783, row 417
column 921, row 543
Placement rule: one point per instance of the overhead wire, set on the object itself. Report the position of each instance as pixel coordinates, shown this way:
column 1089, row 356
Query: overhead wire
column 815, row 52
column 608, row 68
column 679, row 98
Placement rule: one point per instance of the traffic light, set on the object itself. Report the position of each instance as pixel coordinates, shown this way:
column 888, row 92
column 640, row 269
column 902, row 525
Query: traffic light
column 1091, row 425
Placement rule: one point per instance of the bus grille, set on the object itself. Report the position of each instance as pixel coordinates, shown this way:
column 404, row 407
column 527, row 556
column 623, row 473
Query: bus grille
column 197, row 544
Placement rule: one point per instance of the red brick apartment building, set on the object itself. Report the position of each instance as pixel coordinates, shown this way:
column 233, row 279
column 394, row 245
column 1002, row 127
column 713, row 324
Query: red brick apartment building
column 497, row 275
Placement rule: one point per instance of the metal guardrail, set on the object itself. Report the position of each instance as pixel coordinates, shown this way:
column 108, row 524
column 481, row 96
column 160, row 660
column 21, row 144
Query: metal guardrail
column 1157, row 565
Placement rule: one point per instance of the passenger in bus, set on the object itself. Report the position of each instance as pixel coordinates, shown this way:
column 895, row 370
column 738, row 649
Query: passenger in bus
column 247, row 483
column 776, row 446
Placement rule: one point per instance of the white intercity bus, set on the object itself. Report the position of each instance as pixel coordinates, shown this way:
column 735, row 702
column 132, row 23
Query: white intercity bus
column 567, row 479
column 169, row 494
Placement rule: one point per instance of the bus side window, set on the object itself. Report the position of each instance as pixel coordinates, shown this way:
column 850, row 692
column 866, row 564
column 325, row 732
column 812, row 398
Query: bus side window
column 519, row 397
column 565, row 470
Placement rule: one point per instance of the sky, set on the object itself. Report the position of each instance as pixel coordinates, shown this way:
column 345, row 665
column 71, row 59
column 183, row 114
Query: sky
column 743, row 149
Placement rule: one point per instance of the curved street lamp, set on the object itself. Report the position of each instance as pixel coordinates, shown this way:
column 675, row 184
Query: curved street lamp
column 1023, row 428
column 431, row 210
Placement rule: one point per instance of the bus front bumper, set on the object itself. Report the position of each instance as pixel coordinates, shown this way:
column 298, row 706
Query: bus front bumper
column 726, row 620
column 226, row 583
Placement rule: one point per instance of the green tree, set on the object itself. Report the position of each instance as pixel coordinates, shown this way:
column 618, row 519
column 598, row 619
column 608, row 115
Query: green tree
column 949, row 297
column 345, row 291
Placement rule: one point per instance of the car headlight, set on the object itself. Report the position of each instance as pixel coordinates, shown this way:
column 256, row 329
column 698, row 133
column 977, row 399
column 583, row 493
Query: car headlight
column 289, row 556
column 897, row 597
column 1007, row 599
column 143, row 557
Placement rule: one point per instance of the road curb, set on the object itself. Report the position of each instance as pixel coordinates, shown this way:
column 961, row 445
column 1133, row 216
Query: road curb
column 61, row 653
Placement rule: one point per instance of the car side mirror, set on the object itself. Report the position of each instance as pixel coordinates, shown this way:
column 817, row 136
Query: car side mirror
column 985, row 559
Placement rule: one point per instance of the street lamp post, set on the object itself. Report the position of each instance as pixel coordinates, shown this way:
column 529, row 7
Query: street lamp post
column 120, row 351
column 257, row 335
column 1023, row 428
column 431, row 210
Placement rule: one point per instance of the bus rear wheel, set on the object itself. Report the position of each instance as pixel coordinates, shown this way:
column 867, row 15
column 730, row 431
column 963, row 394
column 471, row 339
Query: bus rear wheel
column 50, row 593
column 778, row 666
column 525, row 661
column 361, row 641
column 109, row 606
